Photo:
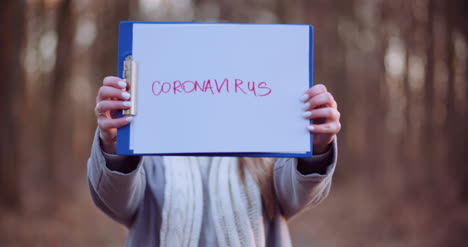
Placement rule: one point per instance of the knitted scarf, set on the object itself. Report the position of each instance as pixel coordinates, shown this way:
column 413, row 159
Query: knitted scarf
column 236, row 208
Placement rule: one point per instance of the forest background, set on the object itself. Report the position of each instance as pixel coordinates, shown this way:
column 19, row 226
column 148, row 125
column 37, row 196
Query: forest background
column 398, row 70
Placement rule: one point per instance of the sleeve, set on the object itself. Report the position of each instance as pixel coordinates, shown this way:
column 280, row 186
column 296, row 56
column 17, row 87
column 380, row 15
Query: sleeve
column 297, row 190
column 116, row 183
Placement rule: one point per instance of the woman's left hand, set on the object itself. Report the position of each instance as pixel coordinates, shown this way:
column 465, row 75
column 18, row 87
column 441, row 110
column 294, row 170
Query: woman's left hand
column 320, row 106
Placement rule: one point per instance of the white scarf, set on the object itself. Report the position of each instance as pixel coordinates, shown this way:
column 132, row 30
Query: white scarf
column 236, row 212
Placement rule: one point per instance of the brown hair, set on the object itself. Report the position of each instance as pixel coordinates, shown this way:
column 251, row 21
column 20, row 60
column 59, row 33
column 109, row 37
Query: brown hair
column 261, row 170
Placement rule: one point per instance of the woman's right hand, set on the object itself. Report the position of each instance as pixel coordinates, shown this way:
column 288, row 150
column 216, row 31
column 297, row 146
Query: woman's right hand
column 111, row 98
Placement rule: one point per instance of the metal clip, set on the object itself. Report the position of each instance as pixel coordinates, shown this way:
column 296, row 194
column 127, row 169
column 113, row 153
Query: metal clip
column 130, row 74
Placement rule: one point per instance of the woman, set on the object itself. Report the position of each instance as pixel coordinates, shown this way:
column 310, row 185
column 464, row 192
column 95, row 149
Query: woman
column 208, row 201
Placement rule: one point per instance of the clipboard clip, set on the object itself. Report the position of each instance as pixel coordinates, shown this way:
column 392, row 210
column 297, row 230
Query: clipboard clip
column 130, row 74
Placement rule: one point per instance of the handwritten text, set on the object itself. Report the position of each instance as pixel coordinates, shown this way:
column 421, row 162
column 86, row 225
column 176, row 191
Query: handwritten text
column 225, row 86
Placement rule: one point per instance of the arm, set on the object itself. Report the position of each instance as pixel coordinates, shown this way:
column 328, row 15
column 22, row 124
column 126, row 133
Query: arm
column 117, row 183
column 302, row 183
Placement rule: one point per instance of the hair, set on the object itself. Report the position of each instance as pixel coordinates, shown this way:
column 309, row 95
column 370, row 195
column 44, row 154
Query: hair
column 261, row 170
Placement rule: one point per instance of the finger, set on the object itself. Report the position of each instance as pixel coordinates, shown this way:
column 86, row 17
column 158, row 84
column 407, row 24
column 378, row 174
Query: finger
column 328, row 113
column 323, row 99
column 327, row 128
column 107, row 92
column 313, row 91
column 116, row 82
column 105, row 124
column 111, row 105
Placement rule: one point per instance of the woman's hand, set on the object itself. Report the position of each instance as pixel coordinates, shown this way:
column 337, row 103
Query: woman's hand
column 111, row 98
column 320, row 106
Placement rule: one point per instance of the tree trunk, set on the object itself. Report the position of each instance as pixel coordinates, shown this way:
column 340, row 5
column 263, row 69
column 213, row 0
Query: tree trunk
column 463, row 4
column 105, row 48
column 452, row 121
column 61, row 115
column 12, row 24
column 428, row 126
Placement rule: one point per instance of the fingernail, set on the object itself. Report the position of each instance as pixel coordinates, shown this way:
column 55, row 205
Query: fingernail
column 108, row 79
column 306, row 114
column 127, row 104
column 304, row 97
column 306, row 106
column 311, row 127
column 128, row 119
column 122, row 84
column 125, row 95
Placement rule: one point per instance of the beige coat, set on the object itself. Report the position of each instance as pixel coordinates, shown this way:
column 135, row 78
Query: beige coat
column 131, row 191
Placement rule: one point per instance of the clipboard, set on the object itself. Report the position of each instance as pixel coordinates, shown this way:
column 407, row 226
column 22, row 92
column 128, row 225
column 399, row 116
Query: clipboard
column 129, row 69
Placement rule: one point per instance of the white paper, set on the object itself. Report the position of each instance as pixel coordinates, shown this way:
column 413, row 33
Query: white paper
column 206, row 122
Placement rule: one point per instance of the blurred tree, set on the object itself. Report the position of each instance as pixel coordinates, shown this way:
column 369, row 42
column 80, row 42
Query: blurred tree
column 61, row 115
column 12, row 26
column 108, row 15
column 459, row 22
column 429, row 95
column 464, row 19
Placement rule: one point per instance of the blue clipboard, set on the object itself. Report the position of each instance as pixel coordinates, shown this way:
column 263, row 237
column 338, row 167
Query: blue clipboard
column 125, row 42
